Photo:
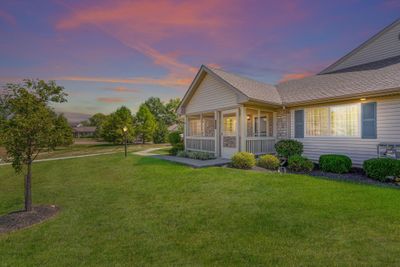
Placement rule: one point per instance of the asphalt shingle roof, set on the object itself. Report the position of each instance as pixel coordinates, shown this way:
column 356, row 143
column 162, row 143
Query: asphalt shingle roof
column 368, row 78
column 249, row 87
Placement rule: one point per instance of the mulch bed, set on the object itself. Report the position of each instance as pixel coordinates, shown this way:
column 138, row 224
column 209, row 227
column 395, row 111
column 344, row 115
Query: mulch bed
column 21, row 219
column 355, row 175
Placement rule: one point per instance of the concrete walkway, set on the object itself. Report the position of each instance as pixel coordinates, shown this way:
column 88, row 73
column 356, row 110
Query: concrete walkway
column 195, row 163
column 69, row 157
column 148, row 152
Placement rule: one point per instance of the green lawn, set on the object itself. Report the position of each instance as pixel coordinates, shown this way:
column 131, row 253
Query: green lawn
column 143, row 211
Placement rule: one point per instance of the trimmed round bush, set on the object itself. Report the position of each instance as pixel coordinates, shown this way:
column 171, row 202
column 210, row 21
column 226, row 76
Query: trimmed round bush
column 288, row 148
column 335, row 163
column 269, row 162
column 243, row 160
column 175, row 138
column 380, row 168
column 300, row 164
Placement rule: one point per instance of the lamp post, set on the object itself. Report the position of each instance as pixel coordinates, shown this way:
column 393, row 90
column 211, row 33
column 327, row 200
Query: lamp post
column 125, row 129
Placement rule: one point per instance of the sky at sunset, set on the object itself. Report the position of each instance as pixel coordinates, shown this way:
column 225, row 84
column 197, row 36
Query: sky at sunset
column 113, row 53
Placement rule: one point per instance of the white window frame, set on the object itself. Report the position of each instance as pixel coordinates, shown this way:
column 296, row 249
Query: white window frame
column 329, row 122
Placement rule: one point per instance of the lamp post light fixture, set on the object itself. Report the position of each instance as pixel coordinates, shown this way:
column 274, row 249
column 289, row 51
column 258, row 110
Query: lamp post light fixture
column 125, row 129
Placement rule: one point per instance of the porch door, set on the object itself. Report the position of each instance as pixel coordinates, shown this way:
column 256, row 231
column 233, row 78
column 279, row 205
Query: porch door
column 229, row 133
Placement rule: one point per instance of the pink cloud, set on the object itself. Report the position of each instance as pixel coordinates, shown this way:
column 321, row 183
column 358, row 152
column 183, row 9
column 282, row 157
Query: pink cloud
column 110, row 100
column 167, row 81
column 209, row 30
column 293, row 76
column 123, row 89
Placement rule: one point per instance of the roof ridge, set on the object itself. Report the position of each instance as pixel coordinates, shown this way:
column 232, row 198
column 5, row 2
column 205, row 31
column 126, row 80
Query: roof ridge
column 238, row 75
column 359, row 47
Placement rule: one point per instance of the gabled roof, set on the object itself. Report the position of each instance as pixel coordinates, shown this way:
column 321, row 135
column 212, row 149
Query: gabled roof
column 361, row 47
column 245, row 88
column 253, row 89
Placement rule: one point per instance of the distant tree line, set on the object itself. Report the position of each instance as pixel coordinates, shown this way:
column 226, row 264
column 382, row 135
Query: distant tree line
column 149, row 124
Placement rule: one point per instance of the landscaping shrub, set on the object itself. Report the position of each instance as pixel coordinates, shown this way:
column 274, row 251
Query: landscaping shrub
column 243, row 160
column 380, row 169
column 288, row 148
column 195, row 155
column 300, row 164
column 182, row 154
column 176, row 148
column 335, row 163
column 175, row 138
column 270, row 162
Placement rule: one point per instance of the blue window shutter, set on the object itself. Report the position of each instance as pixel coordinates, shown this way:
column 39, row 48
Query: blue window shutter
column 368, row 120
column 299, row 124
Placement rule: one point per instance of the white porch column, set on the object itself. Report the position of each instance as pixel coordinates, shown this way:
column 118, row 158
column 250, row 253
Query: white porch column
column 242, row 128
column 216, row 134
column 185, row 129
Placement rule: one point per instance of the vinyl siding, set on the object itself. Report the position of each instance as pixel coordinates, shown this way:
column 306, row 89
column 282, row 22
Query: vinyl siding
column 388, row 130
column 386, row 46
column 211, row 94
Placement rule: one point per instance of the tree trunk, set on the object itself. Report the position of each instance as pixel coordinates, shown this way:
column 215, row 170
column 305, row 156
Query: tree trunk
column 28, row 190
column 143, row 140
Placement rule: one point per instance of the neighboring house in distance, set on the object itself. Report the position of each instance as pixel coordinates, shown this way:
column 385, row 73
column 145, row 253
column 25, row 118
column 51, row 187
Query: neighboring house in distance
column 83, row 131
column 348, row 108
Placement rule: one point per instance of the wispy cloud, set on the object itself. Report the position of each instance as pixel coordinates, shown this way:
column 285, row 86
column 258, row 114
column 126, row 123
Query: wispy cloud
column 167, row 81
column 293, row 76
column 122, row 89
column 110, row 100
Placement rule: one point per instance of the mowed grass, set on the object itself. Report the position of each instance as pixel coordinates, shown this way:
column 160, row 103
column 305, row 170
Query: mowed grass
column 142, row 211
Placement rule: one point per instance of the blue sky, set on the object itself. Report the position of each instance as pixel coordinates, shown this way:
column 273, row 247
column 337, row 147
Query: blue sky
column 113, row 53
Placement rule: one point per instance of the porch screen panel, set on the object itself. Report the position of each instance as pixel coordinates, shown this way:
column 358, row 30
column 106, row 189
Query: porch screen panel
column 251, row 122
column 194, row 126
column 263, row 123
column 208, row 125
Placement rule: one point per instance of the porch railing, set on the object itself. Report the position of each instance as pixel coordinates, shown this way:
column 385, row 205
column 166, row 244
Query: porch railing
column 260, row 145
column 201, row 144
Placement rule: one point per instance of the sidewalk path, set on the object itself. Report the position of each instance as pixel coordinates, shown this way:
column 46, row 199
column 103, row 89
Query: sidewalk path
column 147, row 152
column 69, row 157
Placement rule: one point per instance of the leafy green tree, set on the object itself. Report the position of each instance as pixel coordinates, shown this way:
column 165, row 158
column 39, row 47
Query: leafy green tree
column 112, row 127
column 171, row 116
column 97, row 120
column 160, row 133
column 29, row 125
column 64, row 134
column 156, row 107
column 145, row 123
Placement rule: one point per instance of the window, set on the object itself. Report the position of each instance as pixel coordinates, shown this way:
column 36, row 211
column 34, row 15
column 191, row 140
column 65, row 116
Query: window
column 341, row 120
column 317, row 122
column 345, row 120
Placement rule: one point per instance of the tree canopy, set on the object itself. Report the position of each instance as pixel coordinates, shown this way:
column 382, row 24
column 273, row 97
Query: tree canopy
column 145, row 123
column 29, row 125
column 113, row 125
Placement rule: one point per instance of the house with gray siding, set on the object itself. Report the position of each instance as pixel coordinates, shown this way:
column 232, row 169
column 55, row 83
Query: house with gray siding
column 348, row 108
